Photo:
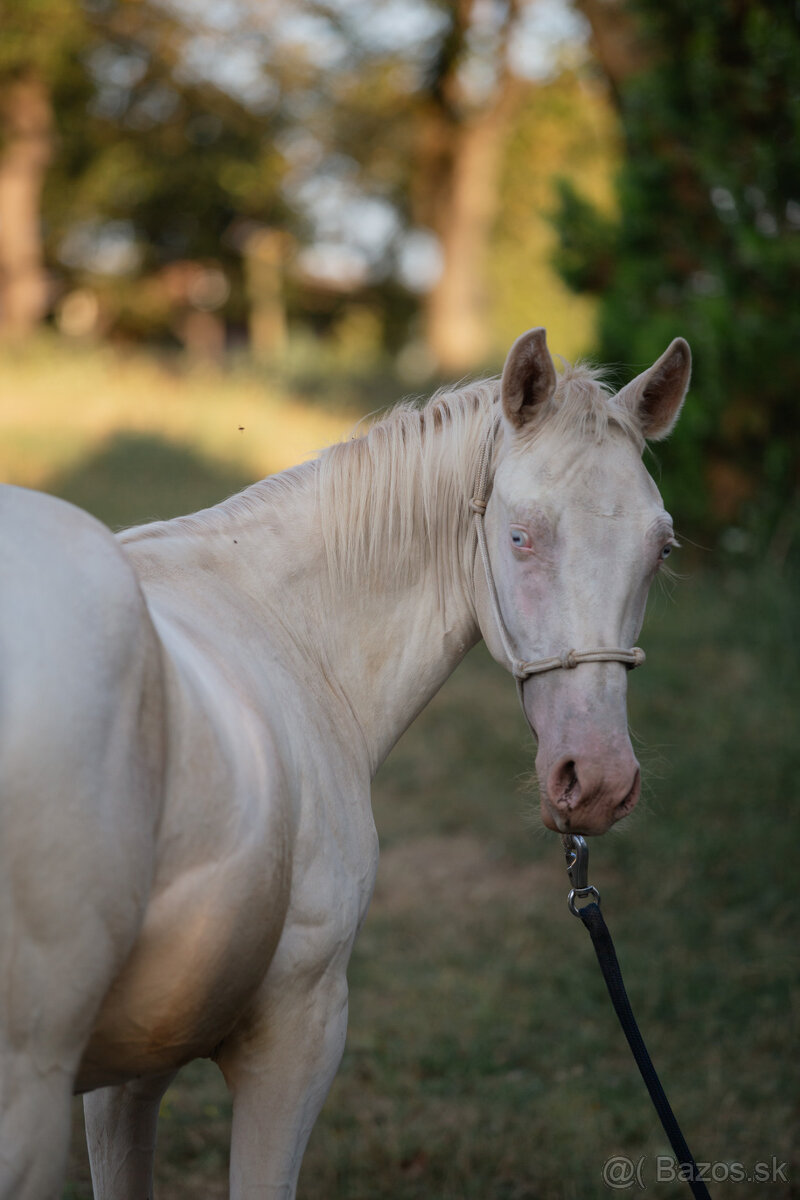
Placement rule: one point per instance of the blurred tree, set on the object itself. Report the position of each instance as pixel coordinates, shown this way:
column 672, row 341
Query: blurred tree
column 34, row 36
column 707, row 245
column 427, row 119
column 152, row 160
column 464, row 113
column 188, row 137
column 26, row 121
column 617, row 42
column 565, row 128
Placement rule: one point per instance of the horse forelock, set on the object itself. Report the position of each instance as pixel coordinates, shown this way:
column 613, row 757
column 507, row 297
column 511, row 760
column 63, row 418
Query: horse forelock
column 585, row 405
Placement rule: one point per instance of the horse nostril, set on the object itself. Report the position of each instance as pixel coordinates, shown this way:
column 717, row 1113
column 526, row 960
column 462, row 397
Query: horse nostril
column 565, row 789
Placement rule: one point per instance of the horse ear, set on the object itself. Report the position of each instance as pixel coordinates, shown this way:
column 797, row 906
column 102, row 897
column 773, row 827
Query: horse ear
column 529, row 377
column 656, row 396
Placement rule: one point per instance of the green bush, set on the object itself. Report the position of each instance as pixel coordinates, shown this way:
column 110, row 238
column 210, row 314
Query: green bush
column 707, row 245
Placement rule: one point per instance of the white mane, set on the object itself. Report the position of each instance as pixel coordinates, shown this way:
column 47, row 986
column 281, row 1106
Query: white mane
column 399, row 494
column 396, row 496
column 586, row 404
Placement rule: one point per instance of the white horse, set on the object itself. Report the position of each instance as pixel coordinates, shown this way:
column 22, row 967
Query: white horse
column 191, row 714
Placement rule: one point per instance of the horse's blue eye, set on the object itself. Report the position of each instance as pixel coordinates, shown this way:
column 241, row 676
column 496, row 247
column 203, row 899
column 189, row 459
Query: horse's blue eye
column 520, row 539
column 665, row 553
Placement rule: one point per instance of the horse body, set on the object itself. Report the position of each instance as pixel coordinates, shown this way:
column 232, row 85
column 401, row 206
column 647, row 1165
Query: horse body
column 75, row 870
column 205, row 702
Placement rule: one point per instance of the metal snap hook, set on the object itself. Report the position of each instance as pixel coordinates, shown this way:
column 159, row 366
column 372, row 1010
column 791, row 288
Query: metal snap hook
column 576, row 852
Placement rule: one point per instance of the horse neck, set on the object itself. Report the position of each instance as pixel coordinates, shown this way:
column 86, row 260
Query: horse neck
column 386, row 548
column 361, row 577
column 390, row 650
column 395, row 595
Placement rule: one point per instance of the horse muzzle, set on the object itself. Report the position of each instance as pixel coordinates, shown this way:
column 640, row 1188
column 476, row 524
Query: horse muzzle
column 580, row 795
column 588, row 775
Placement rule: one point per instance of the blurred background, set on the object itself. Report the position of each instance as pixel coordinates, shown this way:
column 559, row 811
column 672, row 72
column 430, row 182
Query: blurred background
column 229, row 229
column 348, row 199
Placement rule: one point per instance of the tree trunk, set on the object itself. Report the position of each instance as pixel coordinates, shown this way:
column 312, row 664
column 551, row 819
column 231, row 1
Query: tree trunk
column 26, row 124
column 457, row 318
column 264, row 253
column 457, row 188
column 616, row 42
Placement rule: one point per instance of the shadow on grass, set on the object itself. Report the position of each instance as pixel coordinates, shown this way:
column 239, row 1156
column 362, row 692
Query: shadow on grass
column 136, row 477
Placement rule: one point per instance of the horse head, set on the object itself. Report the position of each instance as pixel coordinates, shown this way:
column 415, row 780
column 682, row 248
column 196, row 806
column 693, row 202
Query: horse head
column 575, row 533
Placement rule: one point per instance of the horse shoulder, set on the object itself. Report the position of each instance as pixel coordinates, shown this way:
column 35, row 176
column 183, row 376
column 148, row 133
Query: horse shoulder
column 266, row 848
column 80, row 765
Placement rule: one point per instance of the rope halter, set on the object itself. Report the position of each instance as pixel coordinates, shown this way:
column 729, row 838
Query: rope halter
column 522, row 669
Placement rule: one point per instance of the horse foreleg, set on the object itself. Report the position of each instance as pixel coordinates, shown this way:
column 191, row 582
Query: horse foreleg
column 279, row 1071
column 121, row 1137
column 35, row 1101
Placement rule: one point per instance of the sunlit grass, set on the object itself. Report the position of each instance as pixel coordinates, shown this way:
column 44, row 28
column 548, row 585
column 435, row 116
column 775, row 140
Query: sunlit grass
column 61, row 406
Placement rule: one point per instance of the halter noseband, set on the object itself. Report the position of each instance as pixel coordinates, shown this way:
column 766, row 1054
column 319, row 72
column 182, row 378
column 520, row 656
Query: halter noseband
column 520, row 669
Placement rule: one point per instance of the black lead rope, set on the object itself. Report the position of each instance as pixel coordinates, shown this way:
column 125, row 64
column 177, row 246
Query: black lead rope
column 577, row 865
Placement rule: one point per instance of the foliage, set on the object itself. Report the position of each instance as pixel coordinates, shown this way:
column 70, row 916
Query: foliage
column 707, row 245
column 345, row 127
column 148, row 150
column 565, row 127
column 37, row 34
column 402, row 120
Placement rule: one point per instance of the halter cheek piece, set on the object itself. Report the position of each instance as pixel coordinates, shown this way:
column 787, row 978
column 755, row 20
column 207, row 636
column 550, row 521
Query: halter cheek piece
column 520, row 669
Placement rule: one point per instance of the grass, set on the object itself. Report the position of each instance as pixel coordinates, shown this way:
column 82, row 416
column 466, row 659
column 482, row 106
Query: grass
column 62, row 410
column 483, row 1059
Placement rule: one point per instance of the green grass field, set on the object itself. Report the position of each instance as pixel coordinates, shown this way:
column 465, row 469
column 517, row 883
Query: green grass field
column 483, row 1058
